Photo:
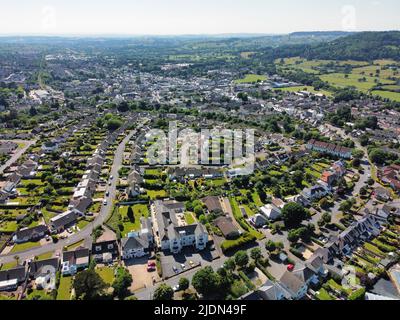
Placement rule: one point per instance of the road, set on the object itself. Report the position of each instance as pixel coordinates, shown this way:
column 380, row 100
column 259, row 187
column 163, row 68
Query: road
column 87, row 231
column 17, row 154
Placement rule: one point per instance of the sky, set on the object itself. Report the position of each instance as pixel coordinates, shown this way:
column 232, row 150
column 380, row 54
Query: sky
column 173, row 17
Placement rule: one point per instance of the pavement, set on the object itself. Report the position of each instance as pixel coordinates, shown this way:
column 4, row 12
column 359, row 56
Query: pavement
column 87, row 231
column 19, row 152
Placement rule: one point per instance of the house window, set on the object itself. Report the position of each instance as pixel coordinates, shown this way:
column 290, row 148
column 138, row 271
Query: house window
column 98, row 248
column 110, row 246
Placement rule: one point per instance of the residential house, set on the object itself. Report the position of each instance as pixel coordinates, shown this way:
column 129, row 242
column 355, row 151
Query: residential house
column 273, row 291
column 105, row 251
column 10, row 279
column 74, row 260
column 135, row 246
column 271, row 212
column 63, row 221
column 30, row 234
column 294, row 285
column 329, row 148
column 44, row 272
column 258, row 220
column 213, row 204
column 228, row 229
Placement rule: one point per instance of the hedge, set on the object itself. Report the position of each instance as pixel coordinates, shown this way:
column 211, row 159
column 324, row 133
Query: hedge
column 358, row 294
column 246, row 279
column 245, row 238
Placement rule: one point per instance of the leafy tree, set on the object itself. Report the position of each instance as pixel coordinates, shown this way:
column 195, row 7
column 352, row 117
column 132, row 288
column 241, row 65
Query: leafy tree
column 206, row 281
column 122, row 281
column 270, row 246
column 130, row 214
column 230, row 265
column 88, row 285
column 293, row 214
column 256, row 254
column 241, row 259
column 163, row 292
column 184, row 284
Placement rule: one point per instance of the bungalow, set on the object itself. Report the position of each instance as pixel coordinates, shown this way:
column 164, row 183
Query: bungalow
column 30, row 234
column 271, row 212
column 315, row 192
column 44, row 272
column 213, row 204
column 10, row 279
column 105, row 251
column 62, row 221
column 49, row 147
column 227, row 227
column 258, row 221
column 74, row 260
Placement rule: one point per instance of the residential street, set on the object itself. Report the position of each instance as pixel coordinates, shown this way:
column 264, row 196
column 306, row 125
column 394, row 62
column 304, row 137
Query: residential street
column 85, row 232
column 18, row 153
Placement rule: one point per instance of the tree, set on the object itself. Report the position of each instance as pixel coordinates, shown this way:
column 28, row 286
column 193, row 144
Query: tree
column 270, row 246
column 163, row 292
column 206, row 281
column 345, row 206
column 293, row 214
column 256, row 254
column 298, row 177
column 184, row 284
column 122, row 281
column 130, row 214
column 241, row 259
column 88, row 285
column 230, row 265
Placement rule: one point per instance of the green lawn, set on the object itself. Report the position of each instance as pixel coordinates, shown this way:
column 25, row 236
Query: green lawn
column 324, row 295
column 251, row 78
column 155, row 194
column 189, row 218
column 139, row 210
column 45, row 256
column 24, row 246
column 107, row 274
column 256, row 199
column 9, row 265
column 39, row 295
column 64, row 290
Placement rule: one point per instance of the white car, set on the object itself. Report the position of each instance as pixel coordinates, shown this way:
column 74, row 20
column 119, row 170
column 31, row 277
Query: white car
column 176, row 288
column 105, row 202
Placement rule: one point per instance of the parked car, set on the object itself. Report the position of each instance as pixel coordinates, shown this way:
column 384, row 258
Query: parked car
column 290, row 267
column 183, row 266
column 175, row 269
column 176, row 288
column 105, row 202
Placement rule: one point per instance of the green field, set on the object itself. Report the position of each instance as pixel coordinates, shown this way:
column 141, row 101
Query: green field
column 139, row 210
column 395, row 96
column 251, row 78
column 352, row 80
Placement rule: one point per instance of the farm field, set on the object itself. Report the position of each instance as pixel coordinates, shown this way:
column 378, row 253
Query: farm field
column 251, row 78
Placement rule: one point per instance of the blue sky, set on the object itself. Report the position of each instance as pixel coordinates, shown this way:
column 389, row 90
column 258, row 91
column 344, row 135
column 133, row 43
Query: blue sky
column 194, row 16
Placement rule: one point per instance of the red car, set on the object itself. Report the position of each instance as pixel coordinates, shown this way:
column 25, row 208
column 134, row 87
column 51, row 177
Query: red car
column 151, row 264
column 290, row 267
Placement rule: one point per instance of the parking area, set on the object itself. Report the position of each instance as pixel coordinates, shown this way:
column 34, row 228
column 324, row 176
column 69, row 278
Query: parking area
column 141, row 277
column 173, row 265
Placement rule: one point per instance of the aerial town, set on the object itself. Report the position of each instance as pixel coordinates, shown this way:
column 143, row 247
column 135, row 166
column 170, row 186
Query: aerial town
column 316, row 217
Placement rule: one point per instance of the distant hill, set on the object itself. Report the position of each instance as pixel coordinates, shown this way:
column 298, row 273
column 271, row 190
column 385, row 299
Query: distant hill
column 335, row 34
column 359, row 46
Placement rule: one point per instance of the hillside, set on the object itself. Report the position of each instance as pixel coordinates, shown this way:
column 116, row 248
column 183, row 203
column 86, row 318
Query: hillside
column 360, row 46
